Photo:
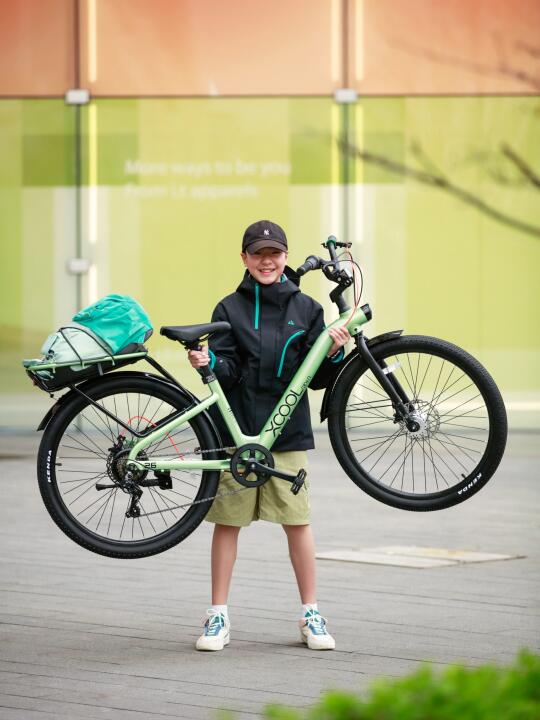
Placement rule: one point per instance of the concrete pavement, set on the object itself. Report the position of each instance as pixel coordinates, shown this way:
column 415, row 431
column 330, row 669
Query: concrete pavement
column 83, row 636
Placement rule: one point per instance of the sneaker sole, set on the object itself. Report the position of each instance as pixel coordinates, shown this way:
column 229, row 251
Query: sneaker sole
column 226, row 641
column 305, row 640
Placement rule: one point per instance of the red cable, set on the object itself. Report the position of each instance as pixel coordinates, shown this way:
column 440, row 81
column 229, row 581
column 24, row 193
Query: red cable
column 356, row 300
column 140, row 417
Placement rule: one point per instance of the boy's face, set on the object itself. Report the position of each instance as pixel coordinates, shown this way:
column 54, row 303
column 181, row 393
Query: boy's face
column 266, row 265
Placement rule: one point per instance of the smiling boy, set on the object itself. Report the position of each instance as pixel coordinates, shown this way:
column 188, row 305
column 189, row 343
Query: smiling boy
column 273, row 326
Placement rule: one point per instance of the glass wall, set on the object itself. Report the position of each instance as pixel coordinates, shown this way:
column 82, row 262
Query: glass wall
column 203, row 118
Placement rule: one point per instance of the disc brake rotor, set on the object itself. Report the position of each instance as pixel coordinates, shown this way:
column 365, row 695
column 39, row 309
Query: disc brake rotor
column 428, row 419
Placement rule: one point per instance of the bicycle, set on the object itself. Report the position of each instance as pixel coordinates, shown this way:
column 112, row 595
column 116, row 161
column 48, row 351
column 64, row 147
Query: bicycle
column 416, row 422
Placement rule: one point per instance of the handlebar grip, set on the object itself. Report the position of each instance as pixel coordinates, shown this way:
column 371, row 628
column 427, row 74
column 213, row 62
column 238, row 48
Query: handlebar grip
column 331, row 244
column 312, row 263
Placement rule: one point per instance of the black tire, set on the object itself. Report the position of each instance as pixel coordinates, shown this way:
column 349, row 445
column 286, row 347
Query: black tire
column 76, row 452
column 463, row 425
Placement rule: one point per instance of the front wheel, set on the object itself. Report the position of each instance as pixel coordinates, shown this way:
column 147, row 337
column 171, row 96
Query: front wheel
column 461, row 421
column 82, row 469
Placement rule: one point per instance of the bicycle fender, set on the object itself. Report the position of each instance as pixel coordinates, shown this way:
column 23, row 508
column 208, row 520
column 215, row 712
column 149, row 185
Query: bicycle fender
column 353, row 356
column 89, row 385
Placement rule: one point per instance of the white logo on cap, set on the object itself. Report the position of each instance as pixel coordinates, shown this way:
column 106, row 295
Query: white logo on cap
column 267, row 232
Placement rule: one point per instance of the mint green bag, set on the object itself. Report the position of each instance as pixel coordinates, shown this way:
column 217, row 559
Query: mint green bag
column 119, row 320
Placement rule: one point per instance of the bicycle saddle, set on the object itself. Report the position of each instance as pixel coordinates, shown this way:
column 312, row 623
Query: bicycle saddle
column 191, row 333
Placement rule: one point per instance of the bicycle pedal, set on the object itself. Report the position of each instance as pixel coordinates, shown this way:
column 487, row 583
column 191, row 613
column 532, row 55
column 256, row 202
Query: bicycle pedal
column 298, row 482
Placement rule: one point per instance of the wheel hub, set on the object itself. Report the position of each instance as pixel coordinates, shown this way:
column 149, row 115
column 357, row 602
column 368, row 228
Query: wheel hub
column 116, row 466
column 424, row 419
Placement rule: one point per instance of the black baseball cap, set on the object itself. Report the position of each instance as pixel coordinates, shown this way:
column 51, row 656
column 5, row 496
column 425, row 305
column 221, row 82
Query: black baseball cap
column 263, row 234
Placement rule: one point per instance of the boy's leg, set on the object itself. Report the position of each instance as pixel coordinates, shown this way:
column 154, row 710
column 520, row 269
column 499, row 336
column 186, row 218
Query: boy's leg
column 224, row 548
column 217, row 627
column 302, row 554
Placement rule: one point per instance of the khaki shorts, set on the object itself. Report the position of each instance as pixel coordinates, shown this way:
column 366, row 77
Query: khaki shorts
column 272, row 501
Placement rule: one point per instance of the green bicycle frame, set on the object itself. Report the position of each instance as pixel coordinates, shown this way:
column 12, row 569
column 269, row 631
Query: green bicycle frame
column 272, row 428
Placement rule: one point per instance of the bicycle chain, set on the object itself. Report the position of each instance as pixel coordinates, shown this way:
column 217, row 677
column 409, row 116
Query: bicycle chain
column 198, row 451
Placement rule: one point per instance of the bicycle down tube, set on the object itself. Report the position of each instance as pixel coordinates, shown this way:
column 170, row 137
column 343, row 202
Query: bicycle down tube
column 272, row 428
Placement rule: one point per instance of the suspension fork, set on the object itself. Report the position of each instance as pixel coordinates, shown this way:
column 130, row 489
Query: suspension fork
column 389, row 383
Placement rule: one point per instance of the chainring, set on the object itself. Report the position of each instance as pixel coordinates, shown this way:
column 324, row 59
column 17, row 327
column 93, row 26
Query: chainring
column 240, row 463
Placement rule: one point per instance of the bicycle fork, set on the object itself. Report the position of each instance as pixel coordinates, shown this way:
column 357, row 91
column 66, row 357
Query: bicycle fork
column 390, row 384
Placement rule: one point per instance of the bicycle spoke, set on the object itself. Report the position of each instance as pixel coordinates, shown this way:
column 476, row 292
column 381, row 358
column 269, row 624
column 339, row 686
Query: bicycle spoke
column 80, row 480
column 109, row 435
column 465, row 413
column 375, row 445
column 453, row 446
column 82, row 446
column 112, row 492
column 391, row 440
column 107, row 438
column 111, row 515
column 145, row 515
column 152, row 495
column 374, row 422
column 406, row 378
column 442, row 460
column 425, row 374
column 138, row 411
column 469, row 427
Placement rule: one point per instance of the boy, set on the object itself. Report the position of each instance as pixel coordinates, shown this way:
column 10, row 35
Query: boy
column 273, row 325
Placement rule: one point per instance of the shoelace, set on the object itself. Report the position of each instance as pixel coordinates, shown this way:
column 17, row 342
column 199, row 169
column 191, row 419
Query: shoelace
column 215, row 622
column 316, row 623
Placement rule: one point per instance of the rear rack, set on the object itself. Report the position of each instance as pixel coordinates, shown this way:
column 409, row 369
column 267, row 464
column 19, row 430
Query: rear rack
column 50, row 376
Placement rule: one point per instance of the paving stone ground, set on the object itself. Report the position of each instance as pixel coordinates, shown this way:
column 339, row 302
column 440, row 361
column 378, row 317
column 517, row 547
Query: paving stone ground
column 83, row 636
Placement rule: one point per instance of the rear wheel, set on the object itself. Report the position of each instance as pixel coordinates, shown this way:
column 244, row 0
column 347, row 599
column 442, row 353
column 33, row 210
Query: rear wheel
column 82, row 469
column 460, row 416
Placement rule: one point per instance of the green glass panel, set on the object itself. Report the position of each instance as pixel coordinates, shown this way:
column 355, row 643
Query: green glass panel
column 455, row 221
column 37, row 237
column 441, row 208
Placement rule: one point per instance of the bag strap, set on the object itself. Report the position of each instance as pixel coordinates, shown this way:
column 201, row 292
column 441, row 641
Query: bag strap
column 97, row 340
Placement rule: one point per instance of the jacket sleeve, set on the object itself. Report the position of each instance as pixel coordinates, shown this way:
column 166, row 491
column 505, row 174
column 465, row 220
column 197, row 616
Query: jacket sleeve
column 223, row 351
column 329, row 366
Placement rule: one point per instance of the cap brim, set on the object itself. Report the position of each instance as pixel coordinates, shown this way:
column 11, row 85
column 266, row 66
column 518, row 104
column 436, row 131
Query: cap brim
column 259, row 244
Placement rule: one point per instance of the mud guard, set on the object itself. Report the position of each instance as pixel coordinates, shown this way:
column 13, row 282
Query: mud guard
column 89, row 385
column 352, row 357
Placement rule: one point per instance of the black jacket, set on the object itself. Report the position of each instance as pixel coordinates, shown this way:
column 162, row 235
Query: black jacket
column 272, row 329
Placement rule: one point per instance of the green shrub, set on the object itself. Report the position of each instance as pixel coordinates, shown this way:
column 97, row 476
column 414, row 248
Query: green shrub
column 457, row 693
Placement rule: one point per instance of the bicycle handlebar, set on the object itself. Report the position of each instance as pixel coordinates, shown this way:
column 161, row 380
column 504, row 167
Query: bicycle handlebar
column 312, row 263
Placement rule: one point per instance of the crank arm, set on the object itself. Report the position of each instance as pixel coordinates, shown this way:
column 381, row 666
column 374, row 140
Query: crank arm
column 296, row 480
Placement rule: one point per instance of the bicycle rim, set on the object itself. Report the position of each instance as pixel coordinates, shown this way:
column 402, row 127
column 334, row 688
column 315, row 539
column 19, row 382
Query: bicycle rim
column 455, row 405
column 91, row 451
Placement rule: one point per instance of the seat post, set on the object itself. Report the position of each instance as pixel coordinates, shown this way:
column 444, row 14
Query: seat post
column 206, row 374
column 206, row 371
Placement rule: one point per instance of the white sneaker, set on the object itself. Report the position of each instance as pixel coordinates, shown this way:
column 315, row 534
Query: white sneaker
column 216, row 632
column 313, row 632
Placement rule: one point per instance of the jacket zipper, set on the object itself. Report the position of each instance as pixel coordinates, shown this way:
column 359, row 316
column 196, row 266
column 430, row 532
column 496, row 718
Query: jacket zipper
column 256, row 321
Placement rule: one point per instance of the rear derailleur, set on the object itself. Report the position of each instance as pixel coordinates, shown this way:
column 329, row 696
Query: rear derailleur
column 129, row 481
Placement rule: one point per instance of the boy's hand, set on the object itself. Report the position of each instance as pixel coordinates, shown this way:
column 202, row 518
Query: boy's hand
column 340, row 336
column 198, row 358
